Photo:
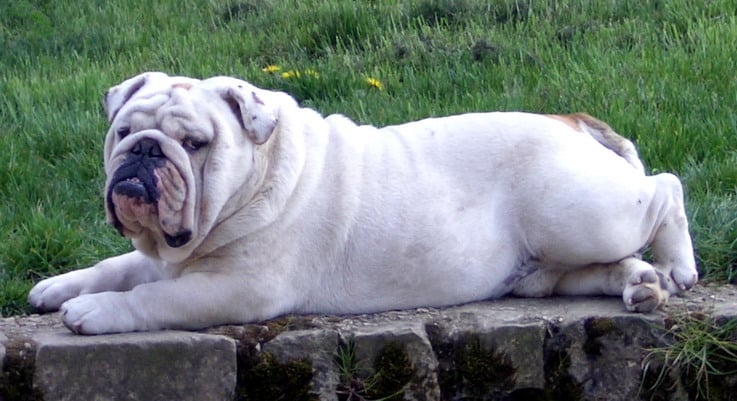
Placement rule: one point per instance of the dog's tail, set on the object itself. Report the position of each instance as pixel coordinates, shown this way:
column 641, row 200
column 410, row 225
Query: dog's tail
column 605, row 135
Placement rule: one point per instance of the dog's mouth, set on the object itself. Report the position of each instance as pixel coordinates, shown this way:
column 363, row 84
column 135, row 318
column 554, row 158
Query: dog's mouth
column 149, row 194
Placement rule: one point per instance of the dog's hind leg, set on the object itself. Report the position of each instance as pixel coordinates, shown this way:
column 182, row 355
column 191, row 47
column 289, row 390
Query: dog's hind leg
column 644, row 286
column 641, row 286
column 671, row 245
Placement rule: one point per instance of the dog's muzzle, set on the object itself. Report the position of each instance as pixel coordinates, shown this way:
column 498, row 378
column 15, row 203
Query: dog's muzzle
column 136, row 180
column 135, row 177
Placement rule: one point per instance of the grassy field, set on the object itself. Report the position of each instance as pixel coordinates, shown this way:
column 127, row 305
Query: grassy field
column 660, row 72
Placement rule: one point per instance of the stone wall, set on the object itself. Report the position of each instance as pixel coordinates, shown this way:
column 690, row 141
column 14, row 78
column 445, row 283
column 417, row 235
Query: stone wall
column 511, row 349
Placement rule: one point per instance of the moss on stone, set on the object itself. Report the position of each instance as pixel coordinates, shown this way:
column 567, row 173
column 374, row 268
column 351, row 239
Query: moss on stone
column 710, row 387
column 471, row 371
column 596, row 328
column 265, row 331
column 245, row 335
column 662, row 383
column 262, row 377
column 658, row 384
column 559, row 383
column 392, row 371
column 16, row 378
column 290, row 322
column 484, row 370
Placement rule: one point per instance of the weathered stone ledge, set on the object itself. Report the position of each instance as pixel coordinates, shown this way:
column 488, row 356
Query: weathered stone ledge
column 511, row 349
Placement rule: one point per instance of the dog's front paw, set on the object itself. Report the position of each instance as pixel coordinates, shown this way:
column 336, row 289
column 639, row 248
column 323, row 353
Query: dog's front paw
column 49, row 294
column 105, row 312
column 644, row 291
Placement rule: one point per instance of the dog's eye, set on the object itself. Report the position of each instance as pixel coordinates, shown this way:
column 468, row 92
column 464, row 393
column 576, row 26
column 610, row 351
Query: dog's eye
column 123, row 132
column 193, row 145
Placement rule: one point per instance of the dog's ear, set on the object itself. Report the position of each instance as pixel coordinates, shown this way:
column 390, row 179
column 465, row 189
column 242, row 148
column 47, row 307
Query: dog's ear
column 117, row 96
column 256, row 110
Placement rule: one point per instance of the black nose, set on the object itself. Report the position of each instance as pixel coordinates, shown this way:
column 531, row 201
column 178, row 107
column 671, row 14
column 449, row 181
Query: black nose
column 147, row 147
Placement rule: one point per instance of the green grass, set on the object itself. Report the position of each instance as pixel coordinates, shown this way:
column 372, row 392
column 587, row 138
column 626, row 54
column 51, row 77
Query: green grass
column 701, row 353
column 660, row 72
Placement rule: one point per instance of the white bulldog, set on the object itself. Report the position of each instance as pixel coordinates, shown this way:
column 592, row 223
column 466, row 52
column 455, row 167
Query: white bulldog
column 243, row 206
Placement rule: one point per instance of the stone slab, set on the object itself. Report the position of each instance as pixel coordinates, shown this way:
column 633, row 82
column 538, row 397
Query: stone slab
column 168, row 365
column 559, row 347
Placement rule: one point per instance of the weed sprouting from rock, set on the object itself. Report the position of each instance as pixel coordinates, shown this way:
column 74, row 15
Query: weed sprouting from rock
column 701, row 353
column 391, row 373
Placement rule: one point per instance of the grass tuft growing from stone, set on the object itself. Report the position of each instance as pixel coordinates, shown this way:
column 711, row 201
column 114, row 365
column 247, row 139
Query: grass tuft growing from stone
column 701, row 353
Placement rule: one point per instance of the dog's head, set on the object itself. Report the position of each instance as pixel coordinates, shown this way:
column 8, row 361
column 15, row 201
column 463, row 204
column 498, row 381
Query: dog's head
column 177, row 151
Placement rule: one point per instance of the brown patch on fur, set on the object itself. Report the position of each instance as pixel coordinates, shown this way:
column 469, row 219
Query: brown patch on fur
column 574, row 120
column 568, row 119
column 182, row 85
column 602, row 133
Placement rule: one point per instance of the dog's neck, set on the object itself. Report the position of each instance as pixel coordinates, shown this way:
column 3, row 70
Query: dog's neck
column 278, row 175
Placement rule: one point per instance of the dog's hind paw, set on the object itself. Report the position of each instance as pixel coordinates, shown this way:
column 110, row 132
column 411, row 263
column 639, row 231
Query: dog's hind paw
column 645, row 291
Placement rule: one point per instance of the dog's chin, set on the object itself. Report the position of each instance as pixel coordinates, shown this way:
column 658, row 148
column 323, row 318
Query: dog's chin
column 136, row 231
column 134, row 211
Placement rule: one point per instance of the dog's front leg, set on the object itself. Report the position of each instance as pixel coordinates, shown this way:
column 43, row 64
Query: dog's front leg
column 192, row 301
column 119, row 273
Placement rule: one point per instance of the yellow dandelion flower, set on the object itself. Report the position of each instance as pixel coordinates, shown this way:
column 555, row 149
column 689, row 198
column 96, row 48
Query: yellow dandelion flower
column 312, row 73
column 374, row 83
column 271, row 68
column 291, row 74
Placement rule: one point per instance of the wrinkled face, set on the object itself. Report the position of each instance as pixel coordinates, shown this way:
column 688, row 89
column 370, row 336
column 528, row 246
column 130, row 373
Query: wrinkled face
column 177, row 149
column 151, row 170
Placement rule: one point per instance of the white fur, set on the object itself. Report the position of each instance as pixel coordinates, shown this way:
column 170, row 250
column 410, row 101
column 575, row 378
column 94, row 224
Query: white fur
column 299, row 213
